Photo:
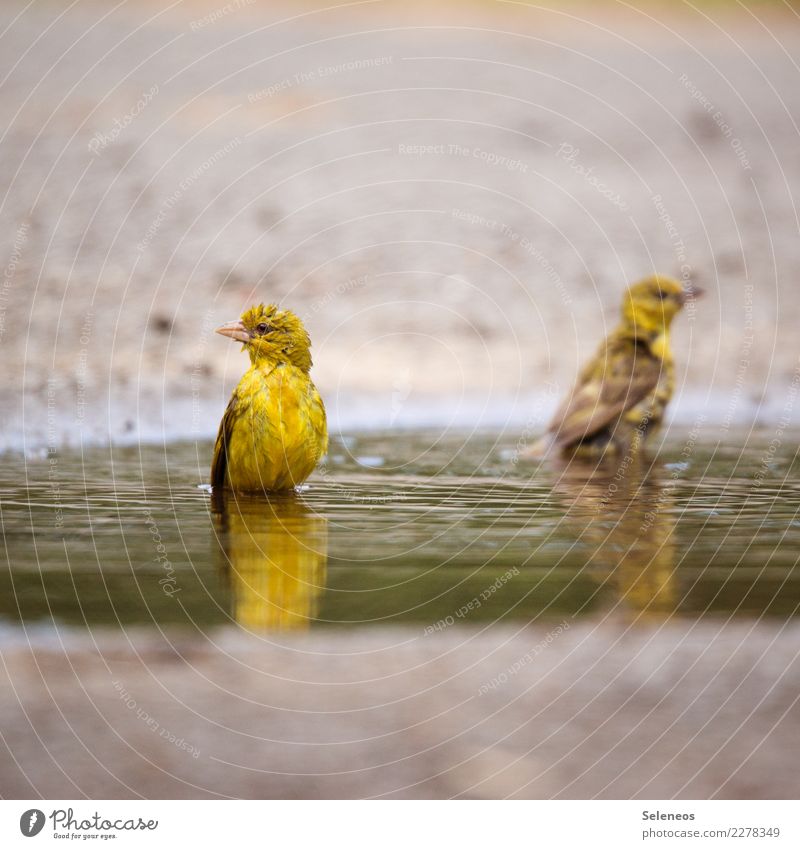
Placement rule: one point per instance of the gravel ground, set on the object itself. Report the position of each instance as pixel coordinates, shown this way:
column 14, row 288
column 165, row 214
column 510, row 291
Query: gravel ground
column 676, row 710
column 454, row 197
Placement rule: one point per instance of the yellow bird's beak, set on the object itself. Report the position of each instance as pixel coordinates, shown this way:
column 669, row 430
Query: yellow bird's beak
column 234, row 330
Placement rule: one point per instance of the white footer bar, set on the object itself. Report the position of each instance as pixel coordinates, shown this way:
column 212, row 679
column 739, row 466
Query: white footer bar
column 403, row 824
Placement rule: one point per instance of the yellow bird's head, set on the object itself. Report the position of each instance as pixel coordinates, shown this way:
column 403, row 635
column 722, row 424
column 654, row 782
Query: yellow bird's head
column 271, row 335
column 650, row 305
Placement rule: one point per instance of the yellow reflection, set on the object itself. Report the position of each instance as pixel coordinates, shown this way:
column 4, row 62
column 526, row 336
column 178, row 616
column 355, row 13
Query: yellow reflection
column 622, row 512
column 275, row 555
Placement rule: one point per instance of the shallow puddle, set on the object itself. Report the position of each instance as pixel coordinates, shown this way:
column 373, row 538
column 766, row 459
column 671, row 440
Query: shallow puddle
column 441, row 531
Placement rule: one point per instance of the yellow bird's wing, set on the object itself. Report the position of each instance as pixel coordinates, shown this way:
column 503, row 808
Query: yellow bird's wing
column 219, row 464
column 621, row 375
column 319, row 420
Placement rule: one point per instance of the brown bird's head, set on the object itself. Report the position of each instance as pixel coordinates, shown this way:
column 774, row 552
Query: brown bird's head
column 650, row 305
column 271, row 335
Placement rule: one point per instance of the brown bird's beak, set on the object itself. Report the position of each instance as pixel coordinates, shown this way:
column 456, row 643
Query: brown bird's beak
column 692, row 292
column 234, row 330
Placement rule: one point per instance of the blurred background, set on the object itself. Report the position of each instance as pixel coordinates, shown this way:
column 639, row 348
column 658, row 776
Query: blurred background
column 453, row 196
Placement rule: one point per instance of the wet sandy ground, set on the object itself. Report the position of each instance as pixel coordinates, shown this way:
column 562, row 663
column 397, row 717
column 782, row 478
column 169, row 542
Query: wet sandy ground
column 453, row 197
column 660, row 711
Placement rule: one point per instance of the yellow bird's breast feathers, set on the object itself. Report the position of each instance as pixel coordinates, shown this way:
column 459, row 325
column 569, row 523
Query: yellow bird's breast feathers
column 273, row 433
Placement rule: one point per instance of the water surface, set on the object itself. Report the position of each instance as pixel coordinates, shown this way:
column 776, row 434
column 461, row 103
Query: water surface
column 436, row 530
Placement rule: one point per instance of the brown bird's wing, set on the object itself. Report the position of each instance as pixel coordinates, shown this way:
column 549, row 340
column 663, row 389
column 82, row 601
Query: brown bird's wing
column 219, row 464
column 622, row 375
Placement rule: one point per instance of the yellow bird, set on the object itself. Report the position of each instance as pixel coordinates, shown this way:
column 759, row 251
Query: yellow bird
column 621, row 394
column 274, row 431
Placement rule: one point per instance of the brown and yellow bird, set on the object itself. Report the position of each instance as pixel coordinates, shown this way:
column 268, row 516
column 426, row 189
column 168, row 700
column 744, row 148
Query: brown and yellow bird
column 621, row 394
column 274, row 430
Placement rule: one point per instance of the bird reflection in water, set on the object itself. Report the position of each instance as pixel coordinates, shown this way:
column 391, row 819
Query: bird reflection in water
column 621, row 511
column 274, row 555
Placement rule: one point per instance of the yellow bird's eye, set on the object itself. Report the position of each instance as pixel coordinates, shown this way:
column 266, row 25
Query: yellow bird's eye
column 262, row 328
